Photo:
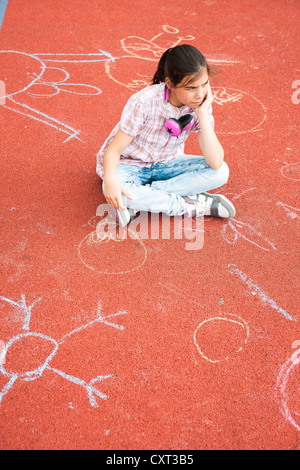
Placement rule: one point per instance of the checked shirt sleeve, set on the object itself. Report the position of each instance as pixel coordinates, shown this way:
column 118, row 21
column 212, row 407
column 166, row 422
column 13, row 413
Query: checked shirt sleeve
column 132, row 119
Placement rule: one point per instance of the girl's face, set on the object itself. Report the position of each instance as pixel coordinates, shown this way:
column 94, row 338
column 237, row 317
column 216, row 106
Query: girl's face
column 188, row 93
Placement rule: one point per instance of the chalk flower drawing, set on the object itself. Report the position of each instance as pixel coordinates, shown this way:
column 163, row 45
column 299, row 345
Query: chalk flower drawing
column 37, row 372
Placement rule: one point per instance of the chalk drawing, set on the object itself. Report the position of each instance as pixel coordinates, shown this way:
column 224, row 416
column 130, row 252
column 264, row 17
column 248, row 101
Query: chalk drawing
column 96, row 253
column 8, row 371
column 291, row 211
column 138, row 50
column 46, row 87
column 285, row 373
column 291, row 171
column 225, row 317
column 233, row 269
column 140, row 53
column 22, row 305
column 250, row 110
column 26, row 73
column 234, row 229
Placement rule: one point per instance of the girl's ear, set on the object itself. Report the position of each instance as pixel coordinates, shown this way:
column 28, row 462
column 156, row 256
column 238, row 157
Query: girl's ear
column 169, row 83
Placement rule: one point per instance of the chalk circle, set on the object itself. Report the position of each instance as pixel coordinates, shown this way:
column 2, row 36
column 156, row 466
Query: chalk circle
column 19, row 71
column 291, row 171
column 287, row 389
column 108, row 254
column 236, row 111
column 221, row 337
column 33, row 352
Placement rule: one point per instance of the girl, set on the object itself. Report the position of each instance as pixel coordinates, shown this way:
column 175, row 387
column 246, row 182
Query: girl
column 142, row 163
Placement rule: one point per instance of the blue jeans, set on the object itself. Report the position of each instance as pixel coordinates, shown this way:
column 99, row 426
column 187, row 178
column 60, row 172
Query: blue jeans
column 160, row 187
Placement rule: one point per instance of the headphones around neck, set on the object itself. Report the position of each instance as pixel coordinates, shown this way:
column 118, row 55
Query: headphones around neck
column 173, row 126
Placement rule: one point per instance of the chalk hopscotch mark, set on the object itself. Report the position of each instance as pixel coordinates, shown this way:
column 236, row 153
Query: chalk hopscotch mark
column 96, row 253
column 285, row 373
column 233, row 269
column 33, row 75
column 291, row 211
column 291, row 171
column 30, row 375
column 224, row 317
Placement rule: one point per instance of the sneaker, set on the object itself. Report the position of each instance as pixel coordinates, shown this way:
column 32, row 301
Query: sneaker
column 124, row 216
column 214, row 205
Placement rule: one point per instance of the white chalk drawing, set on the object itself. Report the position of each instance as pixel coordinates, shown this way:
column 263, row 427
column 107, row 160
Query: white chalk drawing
column 221, row 96
column 233, row 269
column 22, row 306
column 282, row 396
column 291, row 212
column 250, row 120
column 139, row 49
column 7, row 369
column 291, row 171
column 234, row 229
column 134, row 70
column 29, row 74
column 224, row 317
column 96, row 252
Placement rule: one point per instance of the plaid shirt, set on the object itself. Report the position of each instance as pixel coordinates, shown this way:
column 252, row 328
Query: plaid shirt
column 144, row 118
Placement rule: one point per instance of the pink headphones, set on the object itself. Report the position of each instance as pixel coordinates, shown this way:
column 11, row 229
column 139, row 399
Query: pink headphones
column 174, row 126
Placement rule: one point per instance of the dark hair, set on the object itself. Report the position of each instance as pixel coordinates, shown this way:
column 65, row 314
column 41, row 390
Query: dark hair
column 179, row 62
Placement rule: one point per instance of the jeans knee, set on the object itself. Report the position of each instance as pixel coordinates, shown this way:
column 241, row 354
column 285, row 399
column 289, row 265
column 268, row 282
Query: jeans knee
column 223, row 173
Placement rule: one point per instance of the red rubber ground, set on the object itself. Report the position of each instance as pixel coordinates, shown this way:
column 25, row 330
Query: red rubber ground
column 145, row 344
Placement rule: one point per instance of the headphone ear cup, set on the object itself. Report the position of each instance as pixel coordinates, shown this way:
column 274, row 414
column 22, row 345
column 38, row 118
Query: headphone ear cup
column 173, row 127
column 186, row 121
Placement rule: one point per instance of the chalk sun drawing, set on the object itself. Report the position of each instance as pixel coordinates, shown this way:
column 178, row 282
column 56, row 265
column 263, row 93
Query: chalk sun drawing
column 29, row 74
column 7, row 367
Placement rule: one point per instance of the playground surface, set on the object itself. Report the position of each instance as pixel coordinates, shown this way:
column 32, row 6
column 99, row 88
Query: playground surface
column 158, row 342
